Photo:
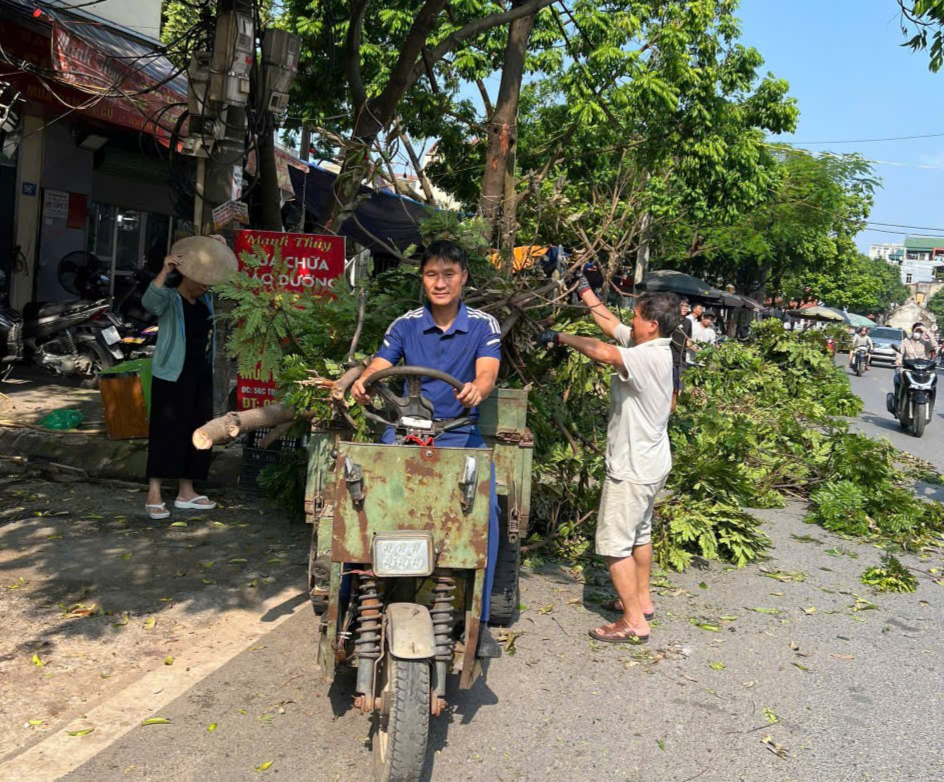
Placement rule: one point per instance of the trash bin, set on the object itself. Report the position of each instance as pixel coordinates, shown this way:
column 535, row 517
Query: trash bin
column 126, row 398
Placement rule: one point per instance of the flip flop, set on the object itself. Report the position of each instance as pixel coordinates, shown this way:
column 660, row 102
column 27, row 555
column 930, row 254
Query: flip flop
column 620, row 634
column 194, row 504
column 161, row 511
column 616, row 605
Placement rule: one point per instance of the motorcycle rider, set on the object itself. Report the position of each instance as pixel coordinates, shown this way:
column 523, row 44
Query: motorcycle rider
column 919, row 345
column 861, row 339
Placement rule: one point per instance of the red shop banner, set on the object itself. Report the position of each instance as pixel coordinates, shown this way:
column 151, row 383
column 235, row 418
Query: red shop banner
column 310, row 262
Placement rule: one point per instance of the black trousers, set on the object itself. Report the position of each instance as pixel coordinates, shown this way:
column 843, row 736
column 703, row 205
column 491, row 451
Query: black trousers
column 177, row 409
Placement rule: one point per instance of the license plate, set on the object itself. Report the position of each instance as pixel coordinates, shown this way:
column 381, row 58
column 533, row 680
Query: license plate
column 403, row 554
column 111, row 335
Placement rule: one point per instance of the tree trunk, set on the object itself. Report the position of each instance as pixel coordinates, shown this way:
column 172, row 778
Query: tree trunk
column 497, row 203
column 374, row 116
column 268, row 175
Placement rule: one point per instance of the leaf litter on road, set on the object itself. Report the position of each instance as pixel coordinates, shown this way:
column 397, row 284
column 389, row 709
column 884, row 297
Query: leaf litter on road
column 778, row 749
column 157, row 721
column 83, row 732
column 785, row 576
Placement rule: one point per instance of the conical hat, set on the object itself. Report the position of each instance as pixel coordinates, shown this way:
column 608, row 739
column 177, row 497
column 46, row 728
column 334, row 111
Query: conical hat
column 205, row 260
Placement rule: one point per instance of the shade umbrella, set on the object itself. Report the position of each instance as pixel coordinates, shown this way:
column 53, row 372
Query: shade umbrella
column 842, row 314
column 860, row 320
column 678, row 282
column 820, row 313
column 738, row 301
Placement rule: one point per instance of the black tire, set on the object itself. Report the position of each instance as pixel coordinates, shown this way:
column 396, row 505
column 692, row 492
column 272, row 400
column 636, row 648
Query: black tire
column 920, row 420
column 504, row 601
column 101, row 360
column 403, row 730
column 858, row 368
column 319, row 604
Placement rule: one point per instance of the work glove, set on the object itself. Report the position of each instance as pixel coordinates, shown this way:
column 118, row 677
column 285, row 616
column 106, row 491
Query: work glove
column 549, row 338
column 583, row 284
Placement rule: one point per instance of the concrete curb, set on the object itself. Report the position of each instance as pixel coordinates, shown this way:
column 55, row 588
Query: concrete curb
column 104, row 458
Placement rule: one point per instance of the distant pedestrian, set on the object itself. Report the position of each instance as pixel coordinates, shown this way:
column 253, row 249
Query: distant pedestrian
column 695, row 314
column 182, row 384
column 703, row 331
column 681, row 350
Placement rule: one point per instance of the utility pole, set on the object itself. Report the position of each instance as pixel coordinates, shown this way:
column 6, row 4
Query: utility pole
column 221, row 85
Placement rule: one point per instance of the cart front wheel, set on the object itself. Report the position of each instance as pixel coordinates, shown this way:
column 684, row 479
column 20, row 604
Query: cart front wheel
column 403, row 729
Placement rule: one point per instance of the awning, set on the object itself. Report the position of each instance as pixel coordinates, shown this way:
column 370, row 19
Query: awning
column 100, row 72
column 682, row 284
column 98, row 61
column 380, row 221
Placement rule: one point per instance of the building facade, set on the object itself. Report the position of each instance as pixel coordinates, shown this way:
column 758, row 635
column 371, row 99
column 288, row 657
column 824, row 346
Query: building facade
column 884, row 251
column 919, row 260
column 89, row 180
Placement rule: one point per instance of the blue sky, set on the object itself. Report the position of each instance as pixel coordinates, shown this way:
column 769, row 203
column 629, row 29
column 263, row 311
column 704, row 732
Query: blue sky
column 853, row 80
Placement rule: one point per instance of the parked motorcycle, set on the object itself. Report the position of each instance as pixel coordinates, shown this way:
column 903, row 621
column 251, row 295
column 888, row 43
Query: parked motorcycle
column 913, row 401
column 67, row 338
column 84, row 275
column 860, row 360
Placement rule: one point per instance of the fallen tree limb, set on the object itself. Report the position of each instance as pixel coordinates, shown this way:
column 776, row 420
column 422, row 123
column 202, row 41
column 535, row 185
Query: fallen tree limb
column 228, row 427
column 278, row 417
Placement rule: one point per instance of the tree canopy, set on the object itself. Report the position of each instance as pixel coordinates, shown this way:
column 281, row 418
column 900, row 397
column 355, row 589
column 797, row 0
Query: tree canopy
column 859, row 284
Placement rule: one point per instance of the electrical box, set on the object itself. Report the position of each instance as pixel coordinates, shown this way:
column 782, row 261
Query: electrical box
column 280, row 51
column 231, row 63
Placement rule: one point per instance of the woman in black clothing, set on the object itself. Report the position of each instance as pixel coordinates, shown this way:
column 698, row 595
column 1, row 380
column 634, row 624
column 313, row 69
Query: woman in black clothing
column 182, row 384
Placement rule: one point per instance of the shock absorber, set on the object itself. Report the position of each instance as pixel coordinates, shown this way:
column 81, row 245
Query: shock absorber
column 443, row 616
column 367, row 643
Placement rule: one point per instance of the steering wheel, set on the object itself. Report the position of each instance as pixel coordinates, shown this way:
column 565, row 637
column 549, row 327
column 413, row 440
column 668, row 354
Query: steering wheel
column 413, row 411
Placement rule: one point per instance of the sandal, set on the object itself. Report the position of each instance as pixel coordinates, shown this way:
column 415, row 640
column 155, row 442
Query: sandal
column 157, row 512
column 618, row 633
column 195, row 504
column 617, row 605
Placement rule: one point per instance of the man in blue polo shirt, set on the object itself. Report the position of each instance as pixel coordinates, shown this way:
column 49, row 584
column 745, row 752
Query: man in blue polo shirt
column 463, row 342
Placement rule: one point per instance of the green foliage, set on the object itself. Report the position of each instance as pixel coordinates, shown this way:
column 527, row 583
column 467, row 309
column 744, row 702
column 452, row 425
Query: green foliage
column 711, row 530
column 890, row 576
column 856, row 282
column 935, row 305
column 304, row 338
column 925, row 18
column 805, row 222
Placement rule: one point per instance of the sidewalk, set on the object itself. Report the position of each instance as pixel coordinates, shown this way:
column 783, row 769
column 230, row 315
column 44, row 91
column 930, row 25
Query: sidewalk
column 94, row 596
column 29, row 395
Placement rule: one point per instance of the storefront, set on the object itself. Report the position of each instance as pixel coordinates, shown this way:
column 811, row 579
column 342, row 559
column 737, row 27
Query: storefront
column 81, row 175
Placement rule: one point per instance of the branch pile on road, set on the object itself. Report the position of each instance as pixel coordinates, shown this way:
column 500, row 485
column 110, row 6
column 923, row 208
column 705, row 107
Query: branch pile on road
column 759, row 425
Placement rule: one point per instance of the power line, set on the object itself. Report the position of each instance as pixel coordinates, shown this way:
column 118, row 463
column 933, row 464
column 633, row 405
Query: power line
column 836, row 156
column 865, row 140
column 915, row 227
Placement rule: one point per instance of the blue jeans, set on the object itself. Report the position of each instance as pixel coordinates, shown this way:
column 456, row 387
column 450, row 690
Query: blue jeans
column 471, row 437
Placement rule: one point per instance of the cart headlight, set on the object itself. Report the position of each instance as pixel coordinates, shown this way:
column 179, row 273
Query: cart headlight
column 403, row 554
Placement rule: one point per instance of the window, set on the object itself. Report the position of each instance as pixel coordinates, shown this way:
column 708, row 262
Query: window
column 907, row 278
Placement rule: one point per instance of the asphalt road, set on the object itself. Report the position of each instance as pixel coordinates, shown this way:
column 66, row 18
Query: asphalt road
column 812, row 679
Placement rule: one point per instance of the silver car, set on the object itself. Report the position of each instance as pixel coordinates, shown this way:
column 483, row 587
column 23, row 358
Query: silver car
column 883, row 340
